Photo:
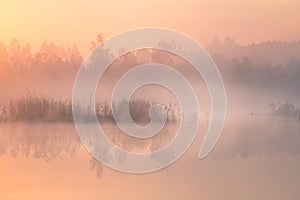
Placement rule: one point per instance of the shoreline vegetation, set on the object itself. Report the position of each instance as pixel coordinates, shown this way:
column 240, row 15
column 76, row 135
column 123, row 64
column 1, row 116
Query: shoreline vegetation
column 41, row 109
column 31, row 108
column 286, row 110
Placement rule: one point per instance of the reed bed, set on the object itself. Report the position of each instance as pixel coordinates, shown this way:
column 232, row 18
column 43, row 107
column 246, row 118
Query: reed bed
column 31, row 108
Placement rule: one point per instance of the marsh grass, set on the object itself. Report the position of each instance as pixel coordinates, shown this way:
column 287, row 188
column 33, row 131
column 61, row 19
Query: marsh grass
column 286, row 110
column 30, row 108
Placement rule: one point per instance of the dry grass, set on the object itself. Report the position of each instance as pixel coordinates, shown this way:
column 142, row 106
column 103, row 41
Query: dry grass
column 31, row 108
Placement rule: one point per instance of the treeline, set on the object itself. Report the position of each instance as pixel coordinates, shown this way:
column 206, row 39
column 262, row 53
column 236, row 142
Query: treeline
column 16, row 56
column 269, row 65
column 272, row 66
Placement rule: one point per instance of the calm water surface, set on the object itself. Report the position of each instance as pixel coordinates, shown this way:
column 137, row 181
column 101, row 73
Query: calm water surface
column 256, row 158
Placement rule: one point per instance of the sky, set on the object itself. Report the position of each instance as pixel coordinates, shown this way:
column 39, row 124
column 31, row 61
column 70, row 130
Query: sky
column 68, row 22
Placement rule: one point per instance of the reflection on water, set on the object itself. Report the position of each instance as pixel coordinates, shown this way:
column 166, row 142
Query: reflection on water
column 250, row 136
column 256, row 158
column 44, row 141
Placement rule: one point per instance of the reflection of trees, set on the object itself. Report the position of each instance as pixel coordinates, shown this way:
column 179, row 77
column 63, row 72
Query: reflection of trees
column 259, row 136
column 43, row 141
column 138, row 144
column 47, row 141
column 97, row 166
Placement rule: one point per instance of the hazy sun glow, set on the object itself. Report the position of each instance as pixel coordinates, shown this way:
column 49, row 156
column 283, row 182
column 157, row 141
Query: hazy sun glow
column 68, row 22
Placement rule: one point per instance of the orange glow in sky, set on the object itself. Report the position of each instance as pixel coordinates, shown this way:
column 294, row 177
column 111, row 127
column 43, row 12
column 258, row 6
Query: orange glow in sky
column 68, row 22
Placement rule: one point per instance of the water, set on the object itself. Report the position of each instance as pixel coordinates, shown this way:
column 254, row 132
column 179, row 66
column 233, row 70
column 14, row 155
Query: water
column 256, row 158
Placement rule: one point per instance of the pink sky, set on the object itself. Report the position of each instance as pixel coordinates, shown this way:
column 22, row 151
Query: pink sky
column 68, row 22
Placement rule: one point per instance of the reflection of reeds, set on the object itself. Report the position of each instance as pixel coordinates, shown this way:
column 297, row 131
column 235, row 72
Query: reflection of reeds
column 40, row 109
column 47, row 141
